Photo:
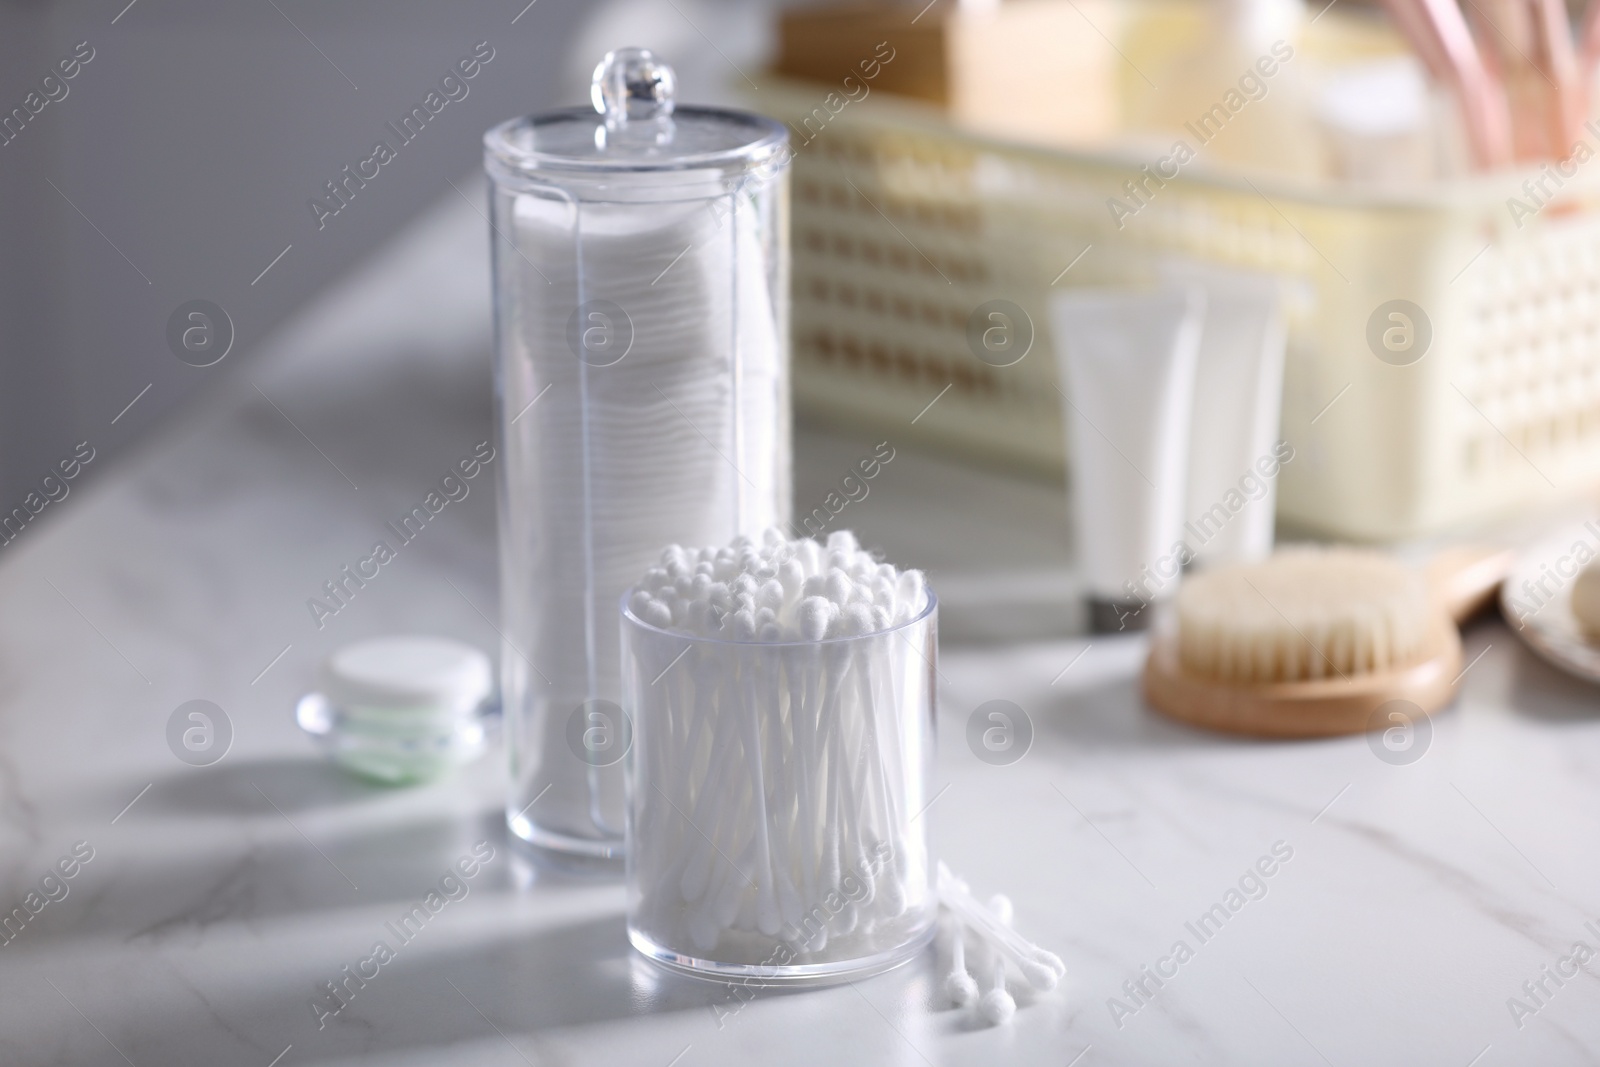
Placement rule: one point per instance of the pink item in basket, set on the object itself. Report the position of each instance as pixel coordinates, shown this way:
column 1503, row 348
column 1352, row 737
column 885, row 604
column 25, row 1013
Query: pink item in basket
column 1438, row 32
column 1527, row 46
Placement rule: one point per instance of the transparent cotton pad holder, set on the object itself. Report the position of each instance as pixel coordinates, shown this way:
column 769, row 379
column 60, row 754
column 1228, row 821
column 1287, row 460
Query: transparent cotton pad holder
column 640, row 254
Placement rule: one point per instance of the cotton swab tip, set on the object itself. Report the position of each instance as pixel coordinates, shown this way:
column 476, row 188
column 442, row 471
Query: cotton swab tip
column 743, row 625
column 657, row 614
column 1050, row 960
column 703, row 931
column 814, row 616
column 893, row 894
column 912, row 588
column 771, row 595
column 998, row 1006
column 843, row 541
column 961, row 988
column 1038, row 975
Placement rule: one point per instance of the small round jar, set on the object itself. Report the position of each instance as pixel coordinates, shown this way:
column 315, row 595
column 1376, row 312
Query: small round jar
column 401, row 709
column 775, row 798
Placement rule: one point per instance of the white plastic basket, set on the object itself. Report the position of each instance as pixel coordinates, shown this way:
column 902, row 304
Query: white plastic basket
column 904, row 225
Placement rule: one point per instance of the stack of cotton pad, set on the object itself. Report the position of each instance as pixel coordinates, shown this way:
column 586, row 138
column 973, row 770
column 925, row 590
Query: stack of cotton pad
column 670, row 427
column 781, row 700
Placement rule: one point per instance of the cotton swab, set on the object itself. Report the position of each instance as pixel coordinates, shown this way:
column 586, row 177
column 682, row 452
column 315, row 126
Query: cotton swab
column 1000, row 948
column 997, row 1006
column 959, row 986
column 1041, row 968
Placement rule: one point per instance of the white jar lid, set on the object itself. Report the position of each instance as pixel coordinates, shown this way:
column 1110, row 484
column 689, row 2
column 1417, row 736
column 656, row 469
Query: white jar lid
column 406, row 672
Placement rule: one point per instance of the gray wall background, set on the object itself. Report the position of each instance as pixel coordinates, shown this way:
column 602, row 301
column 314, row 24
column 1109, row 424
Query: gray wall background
column 189, row 146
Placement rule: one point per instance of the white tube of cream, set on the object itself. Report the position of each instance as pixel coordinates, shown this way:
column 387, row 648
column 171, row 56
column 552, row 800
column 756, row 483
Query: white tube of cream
column 1234, row 448
column 1127, row 366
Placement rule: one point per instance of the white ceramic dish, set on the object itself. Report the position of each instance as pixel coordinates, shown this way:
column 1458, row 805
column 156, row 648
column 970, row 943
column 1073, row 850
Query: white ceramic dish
column 1546, row 622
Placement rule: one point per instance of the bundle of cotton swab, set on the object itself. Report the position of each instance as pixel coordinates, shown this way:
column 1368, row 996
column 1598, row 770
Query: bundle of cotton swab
column 782, row 708
column 790, row 590
column 1002, row 946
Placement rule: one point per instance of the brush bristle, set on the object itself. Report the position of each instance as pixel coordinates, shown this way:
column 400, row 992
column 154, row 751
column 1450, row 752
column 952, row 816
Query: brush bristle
column 1303, row 614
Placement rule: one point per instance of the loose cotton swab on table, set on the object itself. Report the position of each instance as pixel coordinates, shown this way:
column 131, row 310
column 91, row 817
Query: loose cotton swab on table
column 959, row 985
column 1000, row 947
column 1041, row 968
column 997, row 1005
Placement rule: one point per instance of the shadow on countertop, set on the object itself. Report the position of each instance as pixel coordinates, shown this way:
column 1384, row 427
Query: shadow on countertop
column 251, row 863
column 519, row 985
column 1562, row 699
column 1114, row 714
column 247, row 787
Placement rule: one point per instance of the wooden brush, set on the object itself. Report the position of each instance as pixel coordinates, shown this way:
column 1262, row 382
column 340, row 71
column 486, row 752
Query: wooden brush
column 1310, row 642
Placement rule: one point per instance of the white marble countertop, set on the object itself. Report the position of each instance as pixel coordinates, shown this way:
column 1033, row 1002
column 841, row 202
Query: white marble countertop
column 1417, row 900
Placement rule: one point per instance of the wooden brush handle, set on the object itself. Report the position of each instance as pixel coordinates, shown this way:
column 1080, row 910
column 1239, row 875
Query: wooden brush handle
column 1465, row 579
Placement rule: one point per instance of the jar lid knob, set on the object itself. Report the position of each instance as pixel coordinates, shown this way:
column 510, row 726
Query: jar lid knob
column 632, row 85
